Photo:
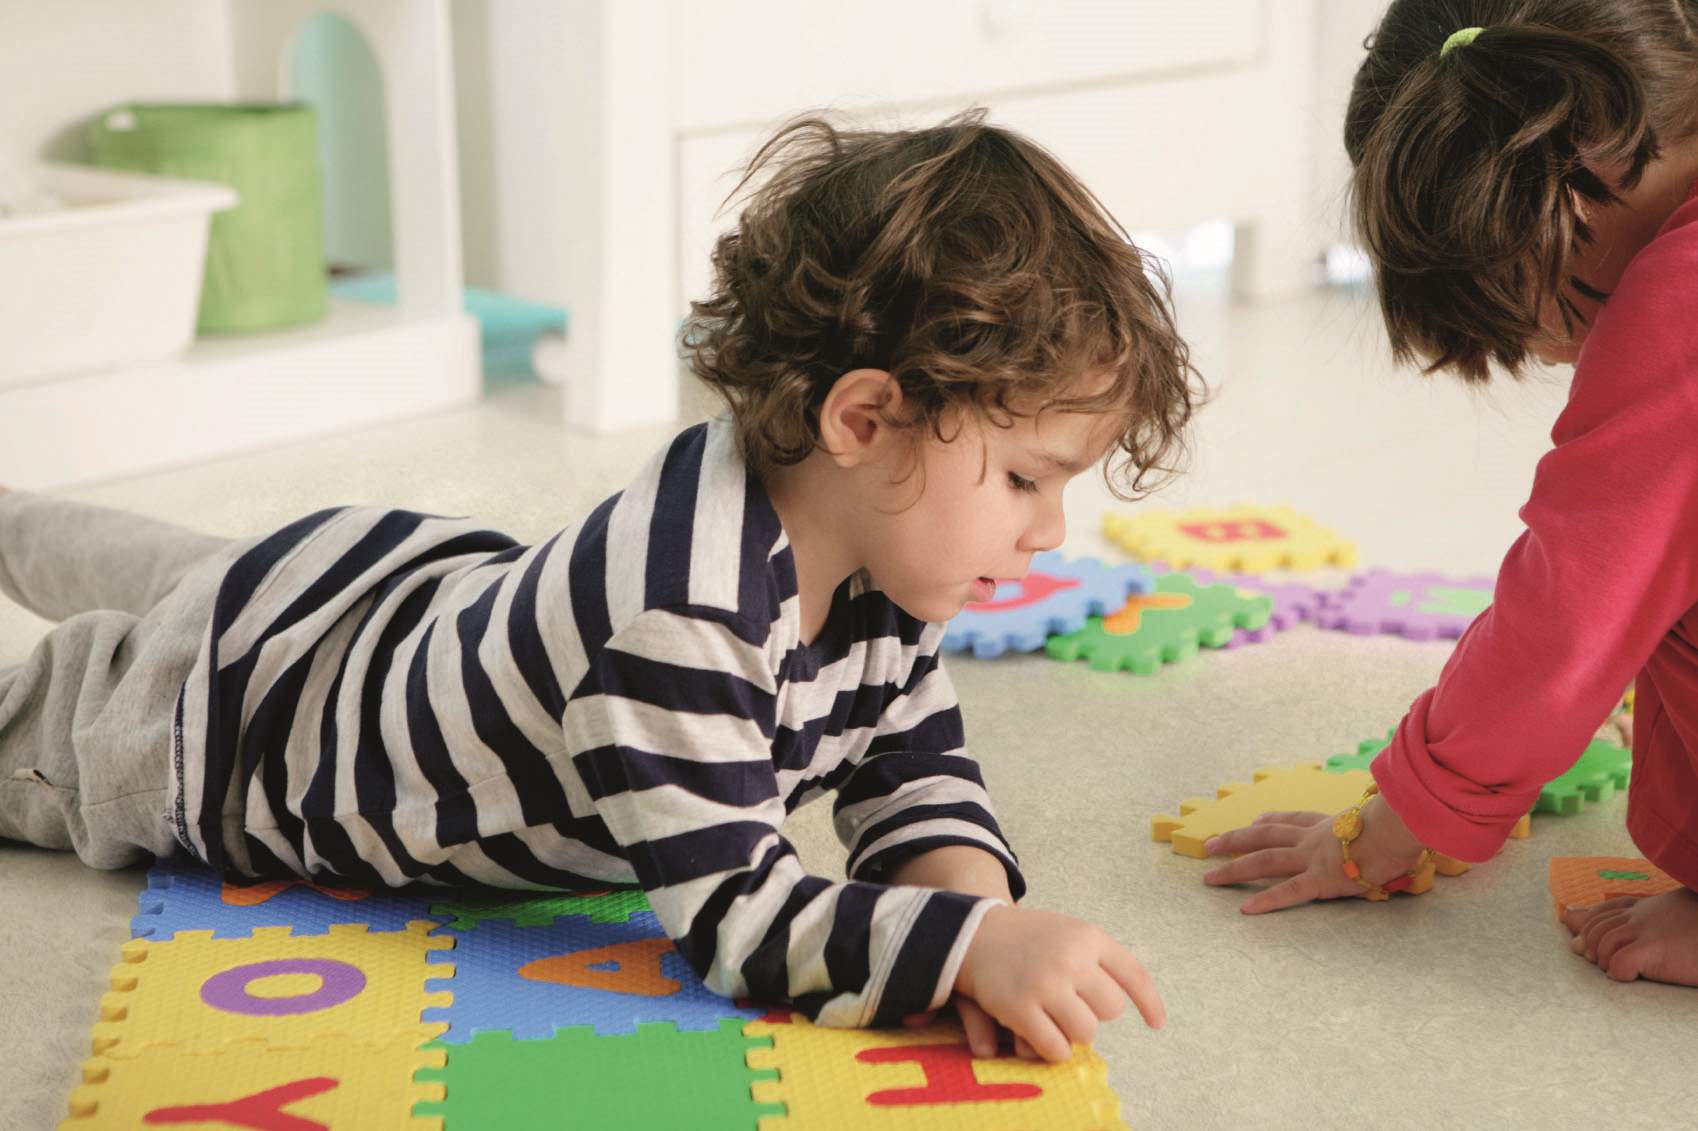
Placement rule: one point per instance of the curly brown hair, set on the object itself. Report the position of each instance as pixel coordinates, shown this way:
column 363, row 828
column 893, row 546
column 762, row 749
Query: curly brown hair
column 964, row 260
column 1469, row 163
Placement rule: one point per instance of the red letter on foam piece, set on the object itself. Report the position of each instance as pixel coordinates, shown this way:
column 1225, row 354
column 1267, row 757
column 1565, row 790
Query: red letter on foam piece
column 1237, row 530
column 262, row 1111
column 949, row 1078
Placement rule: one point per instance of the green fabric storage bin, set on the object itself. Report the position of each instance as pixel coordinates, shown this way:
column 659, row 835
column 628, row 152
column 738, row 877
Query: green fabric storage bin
column 265, row 257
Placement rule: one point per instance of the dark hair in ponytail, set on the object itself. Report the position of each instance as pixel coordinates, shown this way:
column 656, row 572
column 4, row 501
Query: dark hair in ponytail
column 1468, row 164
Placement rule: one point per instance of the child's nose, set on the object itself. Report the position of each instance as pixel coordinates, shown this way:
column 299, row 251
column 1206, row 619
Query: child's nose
column 1048, row 532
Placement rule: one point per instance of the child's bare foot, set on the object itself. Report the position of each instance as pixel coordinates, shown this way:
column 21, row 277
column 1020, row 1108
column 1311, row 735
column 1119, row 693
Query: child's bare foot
column 1629, row 937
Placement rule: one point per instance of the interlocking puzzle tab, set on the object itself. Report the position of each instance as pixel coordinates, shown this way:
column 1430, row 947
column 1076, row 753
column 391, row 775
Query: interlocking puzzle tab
column 1366, row 751
column 1245, row 538
column 1418, row 606
column 1163, row 627
column 1586, row 881
column 1602, row 770
column 198, row 992
column 1235, row 805
column 1056, row 596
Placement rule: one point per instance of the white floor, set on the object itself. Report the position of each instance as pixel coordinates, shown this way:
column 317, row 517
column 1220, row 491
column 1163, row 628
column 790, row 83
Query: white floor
column 1462, row 1008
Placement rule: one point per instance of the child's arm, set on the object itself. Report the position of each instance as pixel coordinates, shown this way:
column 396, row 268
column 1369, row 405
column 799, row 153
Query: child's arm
column 914, row 790
column 915, row 811
column 956, row 867
column 672, row 728
column 1607, row 566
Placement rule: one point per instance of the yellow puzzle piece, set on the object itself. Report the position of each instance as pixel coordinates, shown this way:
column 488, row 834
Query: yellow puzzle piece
column 1303, row 787
column 287, row 991
column 338, row 1082
column 921, row 1080
column 1240, row 539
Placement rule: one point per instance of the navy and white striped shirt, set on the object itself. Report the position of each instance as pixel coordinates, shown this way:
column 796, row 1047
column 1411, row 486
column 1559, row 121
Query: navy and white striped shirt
column 392, row 697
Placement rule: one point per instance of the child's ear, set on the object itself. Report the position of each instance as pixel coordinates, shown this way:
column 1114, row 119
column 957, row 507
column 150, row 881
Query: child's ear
column 855, row 416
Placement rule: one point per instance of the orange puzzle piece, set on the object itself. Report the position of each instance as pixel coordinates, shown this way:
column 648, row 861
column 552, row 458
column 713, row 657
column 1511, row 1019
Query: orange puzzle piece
column 1585, row 881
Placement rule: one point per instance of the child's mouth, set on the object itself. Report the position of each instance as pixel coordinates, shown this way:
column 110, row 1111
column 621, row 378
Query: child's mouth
column 984, row 588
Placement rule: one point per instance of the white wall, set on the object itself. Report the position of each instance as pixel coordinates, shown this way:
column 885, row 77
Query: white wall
column 1344, row 24
column 64, row 61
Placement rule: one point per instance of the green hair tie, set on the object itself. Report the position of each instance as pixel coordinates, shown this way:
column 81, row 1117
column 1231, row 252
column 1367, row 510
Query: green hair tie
column 1460, row 39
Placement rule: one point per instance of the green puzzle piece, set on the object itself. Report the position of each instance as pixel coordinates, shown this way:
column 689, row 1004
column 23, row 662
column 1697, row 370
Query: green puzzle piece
column 529, row 909
column 1197, row 616
column 1456, row 601
column 655, row 1077
column 1366, row 750
column 1602, row 769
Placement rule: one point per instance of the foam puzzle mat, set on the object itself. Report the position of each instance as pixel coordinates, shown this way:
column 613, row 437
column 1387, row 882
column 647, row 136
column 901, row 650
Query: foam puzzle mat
column 1055, row 597
column 1243, row 539
column 1163, row 627
column 1419, row 606
column 287, row 1006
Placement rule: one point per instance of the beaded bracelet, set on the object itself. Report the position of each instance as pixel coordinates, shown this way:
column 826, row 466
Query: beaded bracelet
column 1347, row 826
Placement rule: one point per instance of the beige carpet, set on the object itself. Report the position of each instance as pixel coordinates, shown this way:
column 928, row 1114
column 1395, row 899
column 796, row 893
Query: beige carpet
column 1462, row 1009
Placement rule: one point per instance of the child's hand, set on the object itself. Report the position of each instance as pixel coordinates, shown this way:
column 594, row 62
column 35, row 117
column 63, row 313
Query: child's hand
column 1303, row 847
column 1049, row 979
column 983, row 1033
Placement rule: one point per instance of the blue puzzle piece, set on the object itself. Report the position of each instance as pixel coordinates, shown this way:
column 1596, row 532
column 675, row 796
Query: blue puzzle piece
column 186, row 895
column 1056, row 597
column 491, row 995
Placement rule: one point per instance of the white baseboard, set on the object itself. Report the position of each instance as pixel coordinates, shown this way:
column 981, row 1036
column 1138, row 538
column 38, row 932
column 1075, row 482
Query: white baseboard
column 361, row 365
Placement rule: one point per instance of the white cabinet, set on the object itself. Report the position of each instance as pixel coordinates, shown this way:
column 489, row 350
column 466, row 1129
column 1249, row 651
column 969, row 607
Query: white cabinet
column 361, row 364
column 745, row 60
column 1173, row 111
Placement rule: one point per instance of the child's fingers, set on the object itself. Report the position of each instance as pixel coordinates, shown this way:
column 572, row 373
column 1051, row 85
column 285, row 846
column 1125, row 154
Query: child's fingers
column 1250, row 838
column 979, row 1026
column 1076, row 1020
column 1103, row 994
column 1301, row 888
column 1023, row 1050
column 1259, row 866
column 1043, row 1035
column 1131, row 976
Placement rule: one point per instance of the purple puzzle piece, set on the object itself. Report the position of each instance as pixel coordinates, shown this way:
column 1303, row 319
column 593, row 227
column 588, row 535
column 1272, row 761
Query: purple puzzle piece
column 1420, row 606
column 1293, row 602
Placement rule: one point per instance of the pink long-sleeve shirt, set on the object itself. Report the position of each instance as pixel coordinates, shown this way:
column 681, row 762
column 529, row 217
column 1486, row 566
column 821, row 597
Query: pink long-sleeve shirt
column 1601, row 587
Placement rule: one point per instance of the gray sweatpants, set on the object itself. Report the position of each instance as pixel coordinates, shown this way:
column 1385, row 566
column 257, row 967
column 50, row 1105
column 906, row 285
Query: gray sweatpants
column 85, row 721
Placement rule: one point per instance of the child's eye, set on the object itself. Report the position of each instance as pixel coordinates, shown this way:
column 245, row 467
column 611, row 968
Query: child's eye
column 1021, row 483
